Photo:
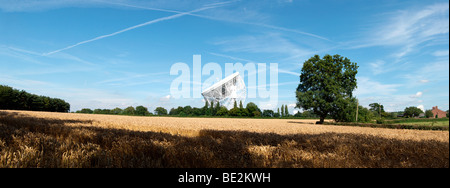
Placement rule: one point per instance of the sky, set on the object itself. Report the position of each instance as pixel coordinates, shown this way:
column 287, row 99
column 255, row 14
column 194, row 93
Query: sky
column 119, row 53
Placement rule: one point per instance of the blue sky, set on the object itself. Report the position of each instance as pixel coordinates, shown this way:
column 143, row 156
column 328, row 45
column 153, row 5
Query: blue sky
column 118, row 53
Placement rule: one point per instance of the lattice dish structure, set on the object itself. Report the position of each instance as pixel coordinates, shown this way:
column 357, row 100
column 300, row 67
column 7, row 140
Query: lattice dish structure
column 226, row 91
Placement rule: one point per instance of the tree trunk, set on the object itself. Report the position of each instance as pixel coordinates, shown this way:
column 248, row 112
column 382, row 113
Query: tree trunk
column 321, row 120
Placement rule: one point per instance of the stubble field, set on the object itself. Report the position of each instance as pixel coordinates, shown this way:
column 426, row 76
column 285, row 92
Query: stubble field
column 43, row 139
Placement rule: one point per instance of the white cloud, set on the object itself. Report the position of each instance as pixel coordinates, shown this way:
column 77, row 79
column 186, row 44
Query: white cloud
column 417, row 95
column 292, row 105
column 412, row 25
column 378, row 67
column 366, row 86
column 435, row 71
column 421, row 107
column 268, row 43
column 440, row 53
column 25, row 84
column 409, row 29
column 428, row 72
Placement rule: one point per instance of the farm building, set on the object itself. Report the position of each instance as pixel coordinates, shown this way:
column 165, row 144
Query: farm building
column 438, row 113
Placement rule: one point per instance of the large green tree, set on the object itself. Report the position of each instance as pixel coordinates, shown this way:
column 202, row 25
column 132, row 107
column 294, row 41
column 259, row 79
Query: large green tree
column 326, row 85
column 253, row 109
column 412, row 111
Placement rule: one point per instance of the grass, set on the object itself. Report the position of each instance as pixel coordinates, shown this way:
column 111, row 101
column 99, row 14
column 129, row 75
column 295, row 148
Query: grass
column 419, row 124
column 39, row 139
column 430, row 123
column 442, row 122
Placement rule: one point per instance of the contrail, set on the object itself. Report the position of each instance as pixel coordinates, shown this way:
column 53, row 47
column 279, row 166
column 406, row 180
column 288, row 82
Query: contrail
column 220, row 19
column 136, row 26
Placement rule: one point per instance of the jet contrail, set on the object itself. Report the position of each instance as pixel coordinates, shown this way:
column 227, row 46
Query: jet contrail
column 220, row 19
column 136, row 26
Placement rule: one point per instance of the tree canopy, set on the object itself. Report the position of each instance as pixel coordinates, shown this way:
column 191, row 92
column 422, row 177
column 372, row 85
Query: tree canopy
column 412, row 111
column 326, row 85
column 13, row 99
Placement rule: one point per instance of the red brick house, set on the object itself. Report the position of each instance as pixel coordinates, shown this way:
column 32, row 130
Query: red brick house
column 438, row 113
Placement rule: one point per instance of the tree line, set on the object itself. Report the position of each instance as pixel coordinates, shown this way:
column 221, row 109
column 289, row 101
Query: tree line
column 208, row 110
column 375, row 112
column 14, row 99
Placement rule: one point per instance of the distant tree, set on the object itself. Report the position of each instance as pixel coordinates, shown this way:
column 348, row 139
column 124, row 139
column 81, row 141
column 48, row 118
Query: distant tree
column 348, row 112
column 7, row 100
column 428, row 114
column 252, row 108
column 206, row 110
column 365, row 115
column 142, row 111
column 129, row 111
column 173, row 112
column 256, row 114
column 326, row 85
column 217, row 108
column 377, row 109
column 234, row 112
column 267, row 113
column 223, row 111
column 242, row 110
column 180, row 109
column 276, row 115
column 197, row 111
column 85, row 111
column 286, row 111
column 187, row 110
column 282, row 110
column 160, row 111
column 412, row 111
column 212, row 109
column 102, row 111
column 116, row 111
column 14, row 99
column 182, row 114
column 97, row 111
column 235, row 104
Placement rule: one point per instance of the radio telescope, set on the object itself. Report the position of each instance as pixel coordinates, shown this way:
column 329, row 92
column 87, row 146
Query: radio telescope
column 226, row 91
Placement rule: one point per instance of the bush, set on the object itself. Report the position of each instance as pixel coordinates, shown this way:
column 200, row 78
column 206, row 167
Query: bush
column 380, row 120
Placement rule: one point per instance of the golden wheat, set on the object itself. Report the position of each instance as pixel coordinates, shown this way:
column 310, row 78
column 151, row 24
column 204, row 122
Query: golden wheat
column 43, row 139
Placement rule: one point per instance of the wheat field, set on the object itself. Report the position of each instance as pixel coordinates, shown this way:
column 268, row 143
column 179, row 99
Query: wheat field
column 60, row 140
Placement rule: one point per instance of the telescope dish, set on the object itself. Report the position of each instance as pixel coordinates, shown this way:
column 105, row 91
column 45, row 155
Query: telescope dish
column 226, row 91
